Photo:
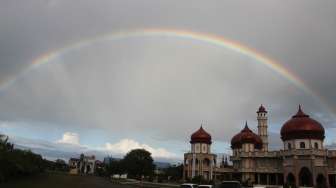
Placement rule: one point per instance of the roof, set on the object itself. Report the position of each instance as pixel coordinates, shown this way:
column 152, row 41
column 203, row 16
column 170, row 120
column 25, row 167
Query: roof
column 262, row 109
column 301, row 126
column 246, row 136
column 200, row 136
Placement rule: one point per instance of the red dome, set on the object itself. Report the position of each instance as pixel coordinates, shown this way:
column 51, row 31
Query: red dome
column 262, row 109
column 246, row 136
column 200, row 136
column 235, row 141
column 301, row 126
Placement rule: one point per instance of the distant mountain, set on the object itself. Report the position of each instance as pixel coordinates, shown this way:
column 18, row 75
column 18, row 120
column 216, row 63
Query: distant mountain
column 162, row 165
column 53, row 151
column 53, row 154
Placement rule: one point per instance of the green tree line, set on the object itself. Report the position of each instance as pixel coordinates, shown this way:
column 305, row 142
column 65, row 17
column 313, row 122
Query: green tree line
column 16, row 163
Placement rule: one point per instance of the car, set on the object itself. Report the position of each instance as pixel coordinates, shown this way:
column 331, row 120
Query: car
column 189, row 185
column 205, row 186
column 229, row 184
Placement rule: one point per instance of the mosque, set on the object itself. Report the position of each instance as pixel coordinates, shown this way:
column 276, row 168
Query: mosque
column 302, row 162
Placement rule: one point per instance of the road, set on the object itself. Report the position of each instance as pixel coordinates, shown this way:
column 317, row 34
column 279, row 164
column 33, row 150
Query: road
column 56, row 180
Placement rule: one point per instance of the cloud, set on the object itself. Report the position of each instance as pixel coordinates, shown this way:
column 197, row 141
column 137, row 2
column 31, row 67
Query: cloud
column 69, row 138
column 275, row 142
column 164, row 87
column 331, row 146
column 69, row 146
column 330, row 142
column 54, row 150
column 3, row 124
column 125, row 145
column 121, row 147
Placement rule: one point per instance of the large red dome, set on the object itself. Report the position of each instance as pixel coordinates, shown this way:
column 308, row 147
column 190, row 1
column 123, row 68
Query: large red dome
column 301, row 126
column 246, row 136
column 200, row 136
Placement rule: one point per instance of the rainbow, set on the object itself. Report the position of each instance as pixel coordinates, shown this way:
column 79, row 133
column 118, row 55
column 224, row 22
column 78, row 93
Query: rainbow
column 202, row 37
column 175, row 33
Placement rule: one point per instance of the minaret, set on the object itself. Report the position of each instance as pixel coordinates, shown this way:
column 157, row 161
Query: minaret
column 200, row 161
column 262, row 126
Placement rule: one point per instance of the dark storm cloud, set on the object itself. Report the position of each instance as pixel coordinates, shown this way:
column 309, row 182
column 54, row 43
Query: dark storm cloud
column 139, row 90
column 298, row 34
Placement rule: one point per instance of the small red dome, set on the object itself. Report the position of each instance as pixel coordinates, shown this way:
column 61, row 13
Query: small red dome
column 200, row 136
column 246, row 136
column 301, row 126
column 235, row 141
column 262, row 109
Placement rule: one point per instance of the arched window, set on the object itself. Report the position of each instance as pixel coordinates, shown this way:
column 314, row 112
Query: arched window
column 289, row 146
column 316, row 145
column 302, row 145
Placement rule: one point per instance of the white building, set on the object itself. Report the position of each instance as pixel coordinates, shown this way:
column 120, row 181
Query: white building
column 83, row 165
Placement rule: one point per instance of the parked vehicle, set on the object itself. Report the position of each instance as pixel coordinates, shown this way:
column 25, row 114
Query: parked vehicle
column 189, row 185
column 205, row 186
column 229, row 184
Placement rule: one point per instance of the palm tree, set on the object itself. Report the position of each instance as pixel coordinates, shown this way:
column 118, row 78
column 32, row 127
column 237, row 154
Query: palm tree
column 3, row 141
column 4, row 144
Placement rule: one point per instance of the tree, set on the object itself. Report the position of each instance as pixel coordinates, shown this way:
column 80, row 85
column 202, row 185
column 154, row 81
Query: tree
column 138, row 163
column 61, row 165
column 4, row 144
column 174, row 173
column 115, row 167
column 16, row 163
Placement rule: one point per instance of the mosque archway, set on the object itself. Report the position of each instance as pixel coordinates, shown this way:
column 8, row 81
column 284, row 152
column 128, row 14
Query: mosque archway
column 305, row 177
column 321, row 181
column 290, row 179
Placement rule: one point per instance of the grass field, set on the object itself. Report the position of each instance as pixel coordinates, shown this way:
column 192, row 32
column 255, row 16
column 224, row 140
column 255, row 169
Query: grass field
column 58, row 180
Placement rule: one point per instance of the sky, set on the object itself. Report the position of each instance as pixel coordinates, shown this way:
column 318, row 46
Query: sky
column 68, row 84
